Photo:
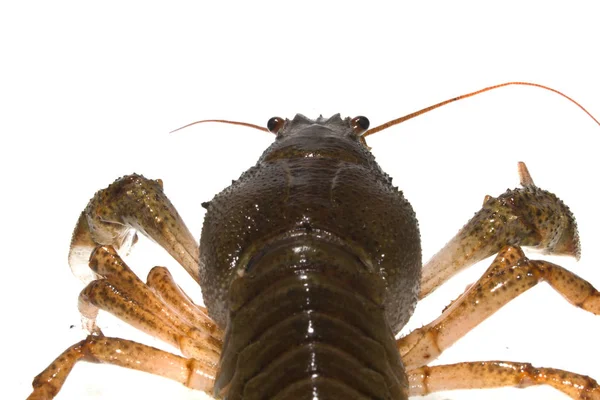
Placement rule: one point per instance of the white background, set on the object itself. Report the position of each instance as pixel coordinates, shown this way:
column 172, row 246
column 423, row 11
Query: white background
column 89, row 92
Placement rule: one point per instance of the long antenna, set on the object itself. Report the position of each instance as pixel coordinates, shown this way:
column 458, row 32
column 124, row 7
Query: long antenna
column 414, row 114
column 464, row 96
column 223, row 121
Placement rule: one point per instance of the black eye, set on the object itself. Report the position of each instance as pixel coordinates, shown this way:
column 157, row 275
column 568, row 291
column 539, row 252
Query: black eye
column 359, row 124
column 275, row 124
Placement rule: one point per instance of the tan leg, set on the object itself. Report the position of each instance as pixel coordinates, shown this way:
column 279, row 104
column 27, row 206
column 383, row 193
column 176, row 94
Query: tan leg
column 162, row 283
column 160, row 291
column 121, row 293
column 522, row 217
column 190, row 372
column 114, row 215
column 510, row 274
column 111, row 220
column 493, row 374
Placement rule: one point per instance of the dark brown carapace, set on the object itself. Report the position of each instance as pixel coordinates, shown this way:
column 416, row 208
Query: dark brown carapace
column 309, row 264
column 314, row 245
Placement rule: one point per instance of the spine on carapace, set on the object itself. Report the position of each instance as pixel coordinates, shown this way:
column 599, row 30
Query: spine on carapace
column 306, row 321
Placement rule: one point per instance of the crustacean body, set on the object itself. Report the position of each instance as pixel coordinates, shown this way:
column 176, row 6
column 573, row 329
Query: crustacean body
column 309, row 264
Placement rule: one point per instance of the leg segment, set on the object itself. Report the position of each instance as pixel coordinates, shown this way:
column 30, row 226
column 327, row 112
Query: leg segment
column 112, row 217
column 110, row 221
column 510, row 274
column 121, row 293
column 162, row 283
column 493, row 374
column 190, row 372
column 522, row 217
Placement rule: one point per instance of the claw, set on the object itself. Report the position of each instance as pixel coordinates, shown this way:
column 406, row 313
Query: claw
column 115, row 215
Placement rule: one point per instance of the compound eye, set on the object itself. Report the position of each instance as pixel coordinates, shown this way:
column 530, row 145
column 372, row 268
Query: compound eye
column 359, row 125
column 275, row 124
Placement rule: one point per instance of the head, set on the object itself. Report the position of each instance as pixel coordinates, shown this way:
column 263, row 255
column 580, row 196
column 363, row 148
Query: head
column 332, row 137
column 356, row 126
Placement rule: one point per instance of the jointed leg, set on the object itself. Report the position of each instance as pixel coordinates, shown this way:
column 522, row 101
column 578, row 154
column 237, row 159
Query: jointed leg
column 159, row 308
column 162, row 283
column 493, row 374
column 526, row 217
column 135, row 203
column 122, row 294
column 190, row 372
column 510, row 274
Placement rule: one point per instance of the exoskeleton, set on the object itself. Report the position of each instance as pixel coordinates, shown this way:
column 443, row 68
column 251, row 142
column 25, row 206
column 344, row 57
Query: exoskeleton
column 309, row 264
